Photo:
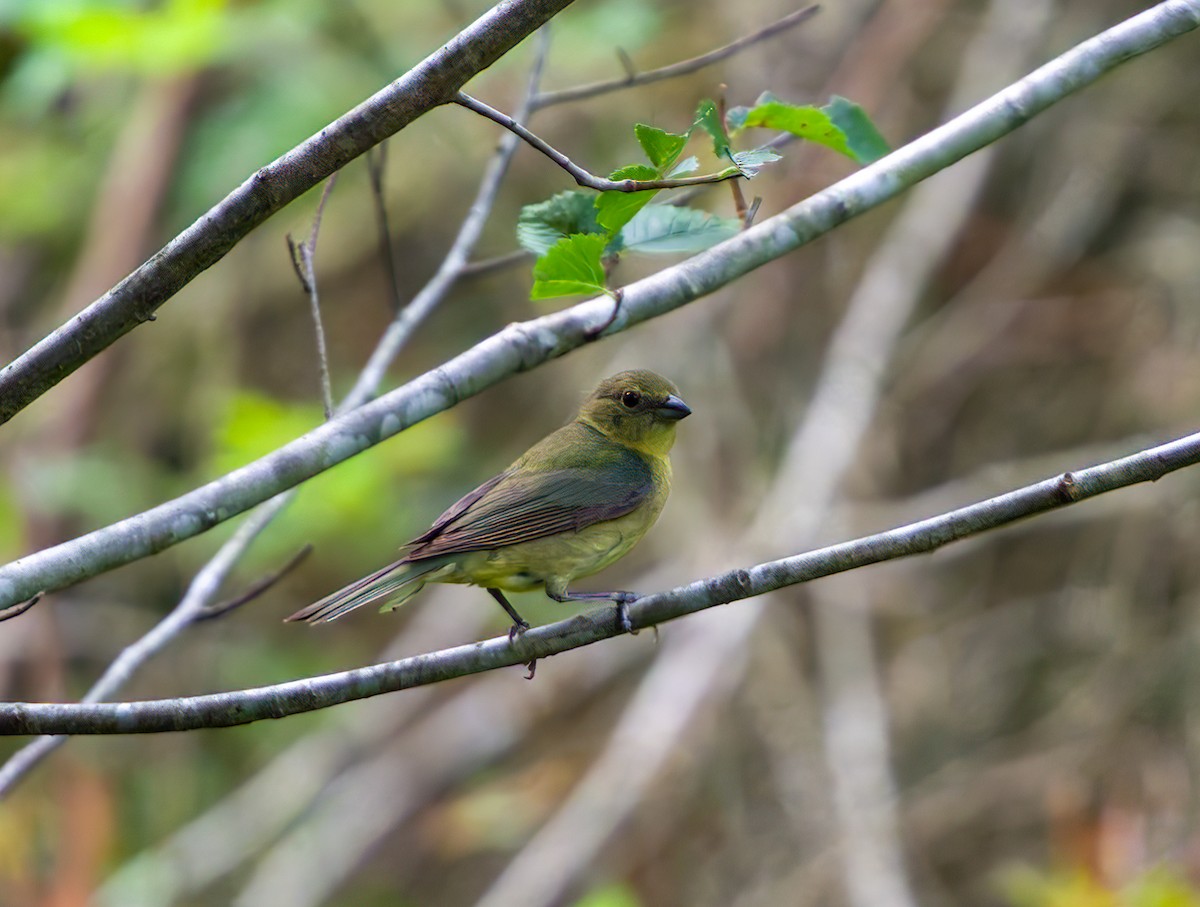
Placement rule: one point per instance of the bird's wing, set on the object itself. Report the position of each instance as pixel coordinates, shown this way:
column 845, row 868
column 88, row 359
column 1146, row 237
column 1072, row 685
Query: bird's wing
column 521, row 505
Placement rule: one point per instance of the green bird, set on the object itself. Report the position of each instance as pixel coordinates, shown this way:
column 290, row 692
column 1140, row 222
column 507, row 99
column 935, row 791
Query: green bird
column 576, row 502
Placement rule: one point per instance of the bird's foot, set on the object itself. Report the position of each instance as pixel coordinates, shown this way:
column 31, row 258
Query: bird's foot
column 624, row 600
column 532, row 665
column 623, row 619
column 519, row 628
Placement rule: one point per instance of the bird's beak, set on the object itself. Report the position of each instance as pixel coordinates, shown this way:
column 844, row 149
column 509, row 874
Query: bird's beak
column 673, row 408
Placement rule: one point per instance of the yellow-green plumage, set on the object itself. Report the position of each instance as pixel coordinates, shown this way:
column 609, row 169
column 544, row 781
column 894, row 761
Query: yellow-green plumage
column 574, row 503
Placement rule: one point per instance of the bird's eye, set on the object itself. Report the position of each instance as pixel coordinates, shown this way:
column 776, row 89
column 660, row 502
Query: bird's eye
column 631, row 399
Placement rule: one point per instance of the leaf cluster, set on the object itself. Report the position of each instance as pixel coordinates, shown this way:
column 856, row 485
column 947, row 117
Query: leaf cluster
column 578, row 234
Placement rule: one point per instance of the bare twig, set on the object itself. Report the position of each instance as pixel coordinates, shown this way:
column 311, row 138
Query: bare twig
column 208, row 612
column 376, row 170
column 486, row 266
column 245, row 706
column 581, row 176
column 20, row 608
column 682, row 68
column 304, row 261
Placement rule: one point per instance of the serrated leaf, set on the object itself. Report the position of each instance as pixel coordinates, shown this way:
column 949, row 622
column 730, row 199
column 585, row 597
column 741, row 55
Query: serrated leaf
column 661, row 147
column 708, row 119
column 634, row 172
column 735, row 117
column 864, row 140
column 615, row 209
column 662, row 229
column 543, row 224
column 688, row 165
column 572, row 265
column 807, row 122
column 750, row 162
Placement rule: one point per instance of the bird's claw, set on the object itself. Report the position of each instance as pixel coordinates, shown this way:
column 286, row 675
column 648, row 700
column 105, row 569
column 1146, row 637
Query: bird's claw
column 517, row 629
column 532, row 665
column 624, row 600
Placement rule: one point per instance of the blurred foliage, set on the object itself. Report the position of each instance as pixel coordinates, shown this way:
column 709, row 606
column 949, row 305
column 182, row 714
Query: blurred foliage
column 615, row 895
column 89, row 35
column 369, row 496
column 1159, row 887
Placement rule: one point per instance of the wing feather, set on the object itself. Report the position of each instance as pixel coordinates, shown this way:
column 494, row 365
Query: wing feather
column 522, row 505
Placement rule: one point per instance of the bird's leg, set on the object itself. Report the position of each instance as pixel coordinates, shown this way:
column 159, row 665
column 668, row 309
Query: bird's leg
column 520, row 625
column 622, row 599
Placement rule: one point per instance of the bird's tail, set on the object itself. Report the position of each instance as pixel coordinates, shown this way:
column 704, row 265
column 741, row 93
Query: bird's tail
column 402, row 575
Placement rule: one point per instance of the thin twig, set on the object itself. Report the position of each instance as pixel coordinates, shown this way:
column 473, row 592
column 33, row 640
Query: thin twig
column 20, row 608
column 310, row 694
column 220, row 609
column 682, row 68
column 486, row 266
column 376, row 170
column 581, row 176
column 304, row 261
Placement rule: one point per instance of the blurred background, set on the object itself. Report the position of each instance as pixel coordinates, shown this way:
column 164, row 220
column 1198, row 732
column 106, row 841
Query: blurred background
column 1014, row 720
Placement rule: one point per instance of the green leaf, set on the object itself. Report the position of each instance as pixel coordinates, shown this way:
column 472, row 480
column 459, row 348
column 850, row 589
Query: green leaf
column 572, row 265
column 663, row 229
column 841, row 125
column 541, row 225
column 865, row 142
column 615, row 209
column 708, row 119
column 810, row 123
column 662, row 148
column 750, row 162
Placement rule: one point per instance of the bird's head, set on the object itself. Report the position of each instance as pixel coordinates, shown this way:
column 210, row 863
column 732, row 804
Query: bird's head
column 637, row 408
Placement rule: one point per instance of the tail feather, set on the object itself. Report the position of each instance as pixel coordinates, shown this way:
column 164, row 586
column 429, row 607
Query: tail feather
column 373, row 586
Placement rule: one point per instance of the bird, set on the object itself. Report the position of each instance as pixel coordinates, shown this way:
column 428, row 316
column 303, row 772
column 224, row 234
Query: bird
column 574, row 503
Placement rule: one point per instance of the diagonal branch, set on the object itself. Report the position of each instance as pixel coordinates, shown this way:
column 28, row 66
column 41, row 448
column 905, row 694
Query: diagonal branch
column 522, row 346
column 430, row 83
column 281, row 700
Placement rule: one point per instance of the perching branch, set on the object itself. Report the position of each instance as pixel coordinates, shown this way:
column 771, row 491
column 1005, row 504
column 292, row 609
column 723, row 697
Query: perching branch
column 281, row 700
column 429, row 84
column 633, row 79
column 581, row 176
column 523, row 346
